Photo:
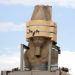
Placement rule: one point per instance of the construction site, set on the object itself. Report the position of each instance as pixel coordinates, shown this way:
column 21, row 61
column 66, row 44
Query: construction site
column 40, row 57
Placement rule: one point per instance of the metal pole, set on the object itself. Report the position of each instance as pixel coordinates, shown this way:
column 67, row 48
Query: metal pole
column 22, row 56
column 49, row 56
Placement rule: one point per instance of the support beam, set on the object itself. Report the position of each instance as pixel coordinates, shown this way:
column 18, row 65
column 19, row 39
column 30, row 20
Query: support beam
column 22, row 58
column 49, row 56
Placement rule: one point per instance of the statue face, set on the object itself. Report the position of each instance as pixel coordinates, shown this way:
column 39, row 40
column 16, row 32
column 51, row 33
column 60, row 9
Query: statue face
column 38, row 43
column 38, row 53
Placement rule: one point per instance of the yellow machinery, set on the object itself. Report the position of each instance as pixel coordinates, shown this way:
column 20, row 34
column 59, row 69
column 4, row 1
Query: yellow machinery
column 42, row 28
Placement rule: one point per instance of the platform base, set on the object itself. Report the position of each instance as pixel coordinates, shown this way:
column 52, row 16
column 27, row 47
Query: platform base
column 33, row 73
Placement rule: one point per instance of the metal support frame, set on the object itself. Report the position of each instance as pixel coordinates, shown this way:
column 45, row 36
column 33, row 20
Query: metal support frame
column 22, row 58
column 49, row 56
column 22, row 63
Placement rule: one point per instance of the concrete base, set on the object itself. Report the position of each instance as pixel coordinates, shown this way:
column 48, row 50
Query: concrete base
column 33, row 73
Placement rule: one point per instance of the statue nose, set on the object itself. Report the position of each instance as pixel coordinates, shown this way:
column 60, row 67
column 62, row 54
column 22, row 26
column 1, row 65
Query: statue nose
column 37, row 52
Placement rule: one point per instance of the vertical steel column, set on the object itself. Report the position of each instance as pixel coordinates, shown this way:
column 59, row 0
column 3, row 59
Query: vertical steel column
column 22, row 58
column 49, row 56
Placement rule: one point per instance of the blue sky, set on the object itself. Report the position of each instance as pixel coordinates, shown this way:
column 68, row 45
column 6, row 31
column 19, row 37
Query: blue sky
column 13, row 18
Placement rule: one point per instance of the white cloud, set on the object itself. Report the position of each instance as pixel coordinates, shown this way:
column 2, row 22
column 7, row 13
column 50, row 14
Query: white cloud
column 66, row 3
column 7, row 62
column 9, row 26
column 66, row 59
column 24, row 2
